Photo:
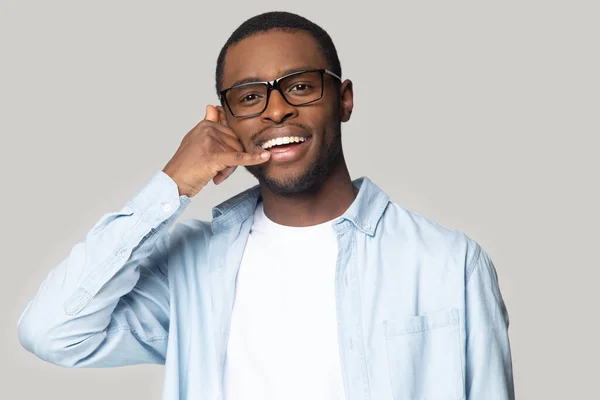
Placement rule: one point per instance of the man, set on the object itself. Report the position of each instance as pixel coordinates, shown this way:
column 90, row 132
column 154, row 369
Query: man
column 308, row 286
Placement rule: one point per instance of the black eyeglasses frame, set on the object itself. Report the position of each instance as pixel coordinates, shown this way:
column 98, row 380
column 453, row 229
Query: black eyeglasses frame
column 274, row 85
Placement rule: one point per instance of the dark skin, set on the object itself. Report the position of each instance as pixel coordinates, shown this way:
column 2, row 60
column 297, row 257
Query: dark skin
column 268, row 56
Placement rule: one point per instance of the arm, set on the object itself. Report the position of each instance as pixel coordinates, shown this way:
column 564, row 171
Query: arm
column 107, row 303
column 488, row 357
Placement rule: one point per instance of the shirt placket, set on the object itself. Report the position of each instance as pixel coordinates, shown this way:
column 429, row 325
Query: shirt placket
column 226, row 251
column 349, row 316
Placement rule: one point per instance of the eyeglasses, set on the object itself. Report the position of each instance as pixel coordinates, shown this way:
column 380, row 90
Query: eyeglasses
column 298, row 88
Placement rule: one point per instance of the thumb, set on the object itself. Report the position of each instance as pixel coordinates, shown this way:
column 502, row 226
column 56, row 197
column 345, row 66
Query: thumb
column 211, row 114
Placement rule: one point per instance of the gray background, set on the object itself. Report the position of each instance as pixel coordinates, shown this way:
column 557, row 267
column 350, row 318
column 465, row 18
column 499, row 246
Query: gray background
column 482, row 116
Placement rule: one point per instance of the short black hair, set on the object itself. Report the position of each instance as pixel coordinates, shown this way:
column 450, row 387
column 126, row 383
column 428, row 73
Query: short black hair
column 283, row 21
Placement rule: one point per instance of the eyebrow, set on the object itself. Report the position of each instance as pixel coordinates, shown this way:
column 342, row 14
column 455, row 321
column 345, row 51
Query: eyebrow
column 253, row 79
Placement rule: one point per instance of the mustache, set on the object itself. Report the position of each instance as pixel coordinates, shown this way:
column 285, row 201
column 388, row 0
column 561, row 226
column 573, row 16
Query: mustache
column 266, row 128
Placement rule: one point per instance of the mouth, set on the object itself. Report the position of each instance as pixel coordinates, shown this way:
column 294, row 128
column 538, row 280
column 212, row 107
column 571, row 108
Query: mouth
column 287, row 148
column 286, row 144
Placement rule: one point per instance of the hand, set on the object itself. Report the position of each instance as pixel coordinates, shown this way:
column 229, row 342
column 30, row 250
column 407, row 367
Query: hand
column 211, row 150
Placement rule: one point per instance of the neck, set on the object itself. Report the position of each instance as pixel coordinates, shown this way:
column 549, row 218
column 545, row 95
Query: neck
column 332, row 199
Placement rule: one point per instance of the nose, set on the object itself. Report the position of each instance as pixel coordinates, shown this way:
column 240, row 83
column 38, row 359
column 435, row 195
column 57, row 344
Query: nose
column 278, row 110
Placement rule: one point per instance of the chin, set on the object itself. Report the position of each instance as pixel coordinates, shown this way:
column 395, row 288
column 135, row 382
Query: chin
column 290, row 183
column 287, row 181
column 300, row 177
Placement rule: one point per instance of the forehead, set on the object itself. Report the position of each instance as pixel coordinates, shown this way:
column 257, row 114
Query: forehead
column 271, row 54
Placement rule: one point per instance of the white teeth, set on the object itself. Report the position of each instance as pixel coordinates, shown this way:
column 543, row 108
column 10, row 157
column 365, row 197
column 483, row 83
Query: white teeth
column 282, row 140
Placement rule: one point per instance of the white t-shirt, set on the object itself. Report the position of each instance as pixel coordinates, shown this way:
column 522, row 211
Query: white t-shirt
column 283, row 341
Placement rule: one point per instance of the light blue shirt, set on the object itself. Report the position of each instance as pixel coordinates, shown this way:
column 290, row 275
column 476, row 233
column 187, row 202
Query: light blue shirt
column 419, row 310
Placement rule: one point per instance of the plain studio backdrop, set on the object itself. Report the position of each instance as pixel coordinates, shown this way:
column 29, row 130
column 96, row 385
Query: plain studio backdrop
column 481, row 116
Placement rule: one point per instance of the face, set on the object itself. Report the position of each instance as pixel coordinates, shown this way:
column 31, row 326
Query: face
column 302, row 167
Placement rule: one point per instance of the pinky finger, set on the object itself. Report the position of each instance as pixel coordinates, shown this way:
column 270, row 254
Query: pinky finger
column 224, row 174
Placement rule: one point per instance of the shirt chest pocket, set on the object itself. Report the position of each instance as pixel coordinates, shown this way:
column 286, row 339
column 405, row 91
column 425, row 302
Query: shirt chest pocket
column 423, row 355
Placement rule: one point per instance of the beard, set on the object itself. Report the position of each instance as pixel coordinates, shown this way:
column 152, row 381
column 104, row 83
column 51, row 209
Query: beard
column 312, row 178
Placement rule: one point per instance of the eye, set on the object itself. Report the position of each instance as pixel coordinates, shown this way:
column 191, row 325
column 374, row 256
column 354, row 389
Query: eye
column 299, row 87
column 249, row 98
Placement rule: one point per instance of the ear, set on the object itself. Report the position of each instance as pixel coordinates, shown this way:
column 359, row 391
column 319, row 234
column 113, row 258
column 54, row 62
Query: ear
column 346, row 100
column 222, row 117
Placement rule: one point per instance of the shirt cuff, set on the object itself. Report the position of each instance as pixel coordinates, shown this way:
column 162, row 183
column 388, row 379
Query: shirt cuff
column 158, row 200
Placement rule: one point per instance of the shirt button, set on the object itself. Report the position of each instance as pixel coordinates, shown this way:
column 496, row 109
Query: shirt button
column 167, row 207
column 123, row 253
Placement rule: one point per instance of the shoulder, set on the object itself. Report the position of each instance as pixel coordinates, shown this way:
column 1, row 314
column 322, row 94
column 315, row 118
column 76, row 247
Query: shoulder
column 427, row 235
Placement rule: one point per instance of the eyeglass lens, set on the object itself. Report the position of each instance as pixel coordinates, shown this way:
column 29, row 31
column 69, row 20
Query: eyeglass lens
column 297, row 89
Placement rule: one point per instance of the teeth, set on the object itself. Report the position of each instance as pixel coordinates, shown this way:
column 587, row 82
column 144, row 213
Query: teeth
column 283, row 140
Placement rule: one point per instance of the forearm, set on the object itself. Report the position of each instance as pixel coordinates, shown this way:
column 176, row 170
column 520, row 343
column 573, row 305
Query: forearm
column 76, row 301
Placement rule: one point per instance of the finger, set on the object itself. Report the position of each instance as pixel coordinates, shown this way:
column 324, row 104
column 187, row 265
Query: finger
column 228, row 144
column 240, row 158
column 221, row 128
column 211, row 114
column 226, row 148
column 232, row 142
column 222, row 119
column 224, row 174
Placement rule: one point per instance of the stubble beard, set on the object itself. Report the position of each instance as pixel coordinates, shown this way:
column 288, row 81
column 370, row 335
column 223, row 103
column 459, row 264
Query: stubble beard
column 311, row 179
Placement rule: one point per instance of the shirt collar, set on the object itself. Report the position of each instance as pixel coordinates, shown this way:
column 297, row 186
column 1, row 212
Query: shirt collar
column 364, row 212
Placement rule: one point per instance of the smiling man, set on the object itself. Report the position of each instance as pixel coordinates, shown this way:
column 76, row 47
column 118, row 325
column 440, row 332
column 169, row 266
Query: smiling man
column 309, row 285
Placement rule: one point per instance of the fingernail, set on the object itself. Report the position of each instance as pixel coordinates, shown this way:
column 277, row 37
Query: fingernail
column 265, row 155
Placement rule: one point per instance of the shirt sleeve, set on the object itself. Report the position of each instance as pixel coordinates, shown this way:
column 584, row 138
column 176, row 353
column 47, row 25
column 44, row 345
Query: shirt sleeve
column 488, row 357
column 107, row 303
